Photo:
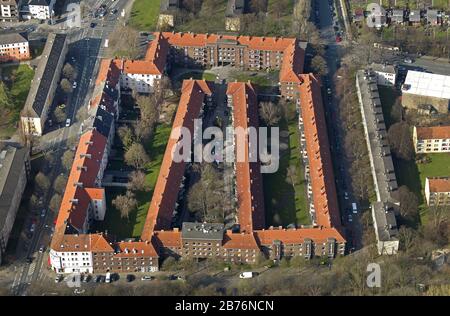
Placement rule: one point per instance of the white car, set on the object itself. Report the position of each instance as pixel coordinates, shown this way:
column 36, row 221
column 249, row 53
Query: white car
column 246, row 275
column 74, row 86
column 67, row 122
column 350, row 219
column 147, row 278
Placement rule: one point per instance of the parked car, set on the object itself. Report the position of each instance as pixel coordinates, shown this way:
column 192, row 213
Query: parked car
column 74, row 85
column 29, row 260
column 43, row 212
column 130, row 278
column 98, row 279
column 354, row 208
column 41, row 249
column 92, row 25
column 408, row 60
column 87, row 278
column 108, row 278
column 68, row 122
column 147, row 278
column 247, row 275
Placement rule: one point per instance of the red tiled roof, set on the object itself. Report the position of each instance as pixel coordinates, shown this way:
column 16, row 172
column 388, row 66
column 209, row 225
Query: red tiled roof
column 80, row 243
column 75, row 202
column 318, row 149
column 109, row 70
column 293, row 61
column 435, row 132
column 248, row 174
column 157, row 52
column 171, row 173
column 135, row 249
column 140, row 67
column 295, row 236
column 439, row 184
column 170, row 238
column 95, row 193
column 239, row 241
column 293, row 55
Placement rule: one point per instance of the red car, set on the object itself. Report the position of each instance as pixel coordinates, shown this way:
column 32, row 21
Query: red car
column 338, row 39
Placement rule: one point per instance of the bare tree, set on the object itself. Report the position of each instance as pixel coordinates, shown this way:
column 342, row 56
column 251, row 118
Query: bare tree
column 69, row 72
column 137, row 181
column 270, row 113
column 409, row 203
column 319, row 65
column 66, row 86
column 55, row 202
column 42, row 182
column 125, row 204
column 136, row 156
column 60, row 115
column 60, row 183
column 67, row 159
column 400, row 141
column 126, row 136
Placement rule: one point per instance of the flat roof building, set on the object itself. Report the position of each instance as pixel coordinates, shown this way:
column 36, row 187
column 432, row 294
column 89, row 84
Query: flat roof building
column 44, row 84
column 382, row 166
column 424, row 88
column 14, row 170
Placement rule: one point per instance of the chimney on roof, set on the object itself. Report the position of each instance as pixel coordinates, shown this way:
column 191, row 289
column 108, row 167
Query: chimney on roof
column 78, row 184
column 74, row 201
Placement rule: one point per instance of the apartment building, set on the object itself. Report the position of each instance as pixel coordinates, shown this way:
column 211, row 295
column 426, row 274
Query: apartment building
column 386, row 74
column 43, row 85
column 434, row 139
column 42, row 9
column 73, row 248
column 243, row 52
column 9, row 10
column 421, row 88
column 13, row 47
column 207, row 240
column 14, row 171
column 437, row 191
column 381, row 164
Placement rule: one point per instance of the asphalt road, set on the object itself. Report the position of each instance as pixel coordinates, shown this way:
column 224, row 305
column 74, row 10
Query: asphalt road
column 335, row 125
column 86, row 46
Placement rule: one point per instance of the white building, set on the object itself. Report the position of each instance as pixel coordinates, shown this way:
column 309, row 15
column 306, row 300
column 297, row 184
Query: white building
column 71, row 262
column 41, row 9
column 434, row 139
column 437, row 191
column 386, row 74
column 141, row 76
column 9, row 10
column 421, row 88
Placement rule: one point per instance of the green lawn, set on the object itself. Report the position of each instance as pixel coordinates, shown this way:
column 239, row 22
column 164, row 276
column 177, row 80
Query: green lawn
column 18, row 80
column 144, row 14
column 210, row 19
column 133, row 228
column 284, row 204
column 413, row 175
